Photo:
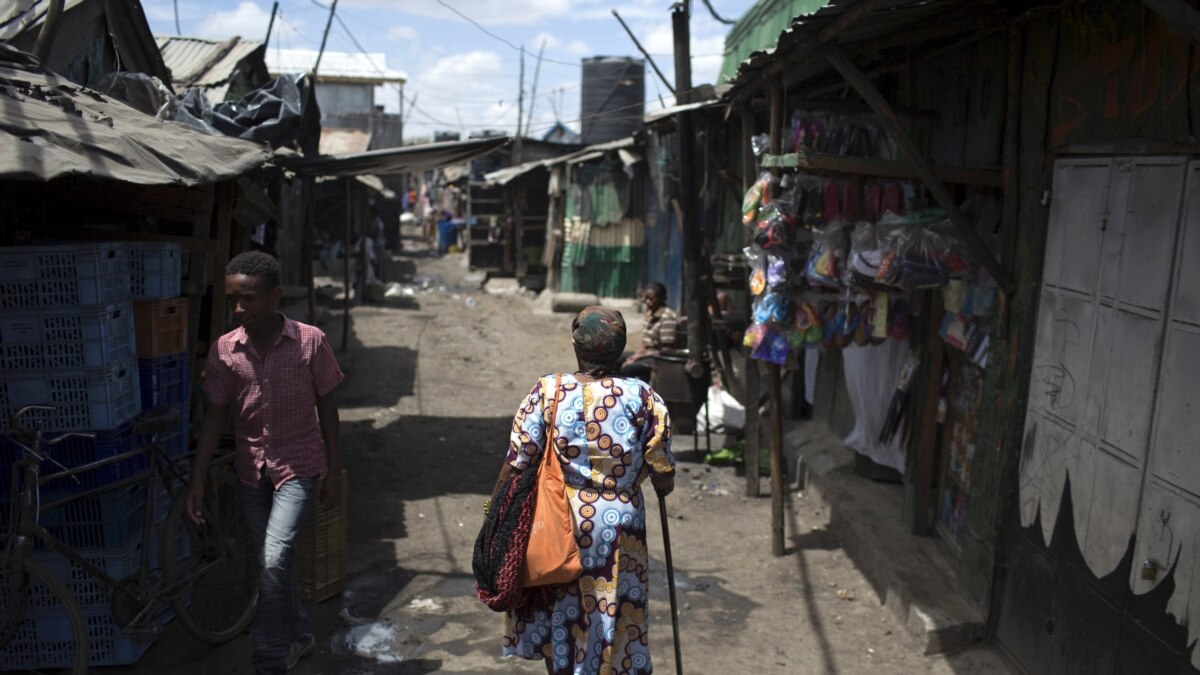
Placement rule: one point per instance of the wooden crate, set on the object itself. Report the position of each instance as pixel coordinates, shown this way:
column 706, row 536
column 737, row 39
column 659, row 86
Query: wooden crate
column 320, row 561
column 161, row 327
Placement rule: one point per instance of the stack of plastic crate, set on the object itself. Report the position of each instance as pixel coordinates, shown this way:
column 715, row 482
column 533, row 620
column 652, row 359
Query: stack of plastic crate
column 161, row 323
column 67, row 339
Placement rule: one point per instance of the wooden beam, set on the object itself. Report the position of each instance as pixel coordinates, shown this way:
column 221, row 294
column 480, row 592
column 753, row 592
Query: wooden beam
column 1180, row 16
column 1011, row 147
column 977, row 249
column 883, row 168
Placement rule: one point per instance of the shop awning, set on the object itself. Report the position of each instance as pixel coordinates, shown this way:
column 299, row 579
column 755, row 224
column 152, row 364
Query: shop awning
column 51, row 128
column 409, row 158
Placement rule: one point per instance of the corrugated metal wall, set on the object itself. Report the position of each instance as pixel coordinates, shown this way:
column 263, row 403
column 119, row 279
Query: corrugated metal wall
column 336, row 98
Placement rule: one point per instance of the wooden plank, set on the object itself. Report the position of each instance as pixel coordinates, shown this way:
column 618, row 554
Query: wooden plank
column 920, row 498
column 977, row 249
column 882, row 168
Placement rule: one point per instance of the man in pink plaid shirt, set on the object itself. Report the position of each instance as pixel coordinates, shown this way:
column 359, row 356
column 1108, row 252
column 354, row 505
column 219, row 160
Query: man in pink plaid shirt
column 279, row 376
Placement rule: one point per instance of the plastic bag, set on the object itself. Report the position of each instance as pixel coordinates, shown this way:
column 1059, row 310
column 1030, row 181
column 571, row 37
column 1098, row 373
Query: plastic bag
column 774, row 307
column 826, row 261
column 773, row 348
column 756, row 197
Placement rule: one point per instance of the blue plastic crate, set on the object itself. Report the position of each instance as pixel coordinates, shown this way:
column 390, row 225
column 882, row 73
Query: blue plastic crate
column 75, row 452
column 165, row 380
column 176, row 442
column 63, row 275
column 87, row 398
column 67, row 337
column 43, row 641
column 155, row 269
column 108, row 521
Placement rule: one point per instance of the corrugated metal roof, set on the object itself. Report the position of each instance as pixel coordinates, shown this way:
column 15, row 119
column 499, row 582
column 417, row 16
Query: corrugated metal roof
column 885, row 21
column 17, row 17
column 334, row 65
column 208, row 64
column 507, row 174
column 53, row 128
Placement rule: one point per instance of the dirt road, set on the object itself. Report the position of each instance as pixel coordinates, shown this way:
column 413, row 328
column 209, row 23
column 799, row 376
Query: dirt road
column 433, row 382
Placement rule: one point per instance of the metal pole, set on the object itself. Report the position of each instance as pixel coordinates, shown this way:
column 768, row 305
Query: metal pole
column 325, row 37
column 662, row 512
column 537, row 71
column 687, row 183
column 271, row 23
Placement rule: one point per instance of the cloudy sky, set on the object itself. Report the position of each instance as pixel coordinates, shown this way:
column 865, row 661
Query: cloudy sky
column 461, row 77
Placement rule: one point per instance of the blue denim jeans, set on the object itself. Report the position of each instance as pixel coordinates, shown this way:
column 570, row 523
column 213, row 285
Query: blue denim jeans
column 275, row 517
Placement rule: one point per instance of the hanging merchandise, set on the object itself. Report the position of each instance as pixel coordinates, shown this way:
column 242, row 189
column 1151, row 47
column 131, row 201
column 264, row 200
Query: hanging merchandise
column 754, row 335
column 756, row 197
column 773, row 348
column 773, row 307
column 827, row 259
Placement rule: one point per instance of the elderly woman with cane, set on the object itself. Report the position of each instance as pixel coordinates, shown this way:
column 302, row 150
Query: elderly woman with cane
column 610, row 434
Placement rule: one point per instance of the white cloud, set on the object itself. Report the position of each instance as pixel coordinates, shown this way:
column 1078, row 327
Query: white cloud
column 578, row 48
column 402, row 33
column 247, row 20
column 486, row 12
column 550, row 41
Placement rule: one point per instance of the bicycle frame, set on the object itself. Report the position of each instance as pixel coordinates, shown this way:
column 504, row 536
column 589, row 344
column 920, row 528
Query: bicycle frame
column 24, row 527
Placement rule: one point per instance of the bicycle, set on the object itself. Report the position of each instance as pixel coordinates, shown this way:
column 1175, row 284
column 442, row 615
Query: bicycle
column 212, row 588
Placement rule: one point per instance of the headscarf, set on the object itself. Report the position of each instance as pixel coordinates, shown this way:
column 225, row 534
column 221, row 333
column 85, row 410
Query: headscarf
column 598, row 335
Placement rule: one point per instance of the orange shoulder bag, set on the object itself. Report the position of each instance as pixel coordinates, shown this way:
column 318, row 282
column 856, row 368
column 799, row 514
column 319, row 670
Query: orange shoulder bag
column 553, row 553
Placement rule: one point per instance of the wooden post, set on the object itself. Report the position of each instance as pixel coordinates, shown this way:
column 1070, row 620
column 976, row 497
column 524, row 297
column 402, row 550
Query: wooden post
column 773, row 384
column 1011, row 157
column 224, row 230
column 360, row 224
column 348, row 260
column 978, row 250
column 773, row 370
column 750, row 391
column 306, row 247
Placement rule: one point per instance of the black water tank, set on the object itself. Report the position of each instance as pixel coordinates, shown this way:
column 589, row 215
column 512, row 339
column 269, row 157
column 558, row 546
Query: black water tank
column 613, row 98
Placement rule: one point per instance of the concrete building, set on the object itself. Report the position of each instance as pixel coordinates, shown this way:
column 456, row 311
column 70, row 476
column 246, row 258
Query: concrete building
column 351, row 90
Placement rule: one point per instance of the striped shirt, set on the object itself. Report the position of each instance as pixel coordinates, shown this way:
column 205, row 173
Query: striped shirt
column 275, row 399
column 661, row 325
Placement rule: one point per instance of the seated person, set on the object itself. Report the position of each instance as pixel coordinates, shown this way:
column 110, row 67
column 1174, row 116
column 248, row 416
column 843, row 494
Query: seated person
column 661, row 326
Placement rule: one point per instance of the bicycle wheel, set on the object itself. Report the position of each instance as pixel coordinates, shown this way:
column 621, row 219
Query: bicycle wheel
column 212, row 568
column 48, row 631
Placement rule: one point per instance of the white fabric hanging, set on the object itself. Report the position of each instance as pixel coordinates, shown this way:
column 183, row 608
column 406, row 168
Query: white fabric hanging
column 871, row 376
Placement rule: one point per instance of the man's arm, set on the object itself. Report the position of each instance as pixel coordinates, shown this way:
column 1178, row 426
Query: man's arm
column 210, row 434
column 327, row 414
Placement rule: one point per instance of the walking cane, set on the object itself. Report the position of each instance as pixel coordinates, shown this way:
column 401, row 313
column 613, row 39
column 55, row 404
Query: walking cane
column 662, row 511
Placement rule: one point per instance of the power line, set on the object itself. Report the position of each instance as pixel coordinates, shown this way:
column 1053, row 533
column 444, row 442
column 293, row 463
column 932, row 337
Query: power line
column 492, row 35
column 715, row 16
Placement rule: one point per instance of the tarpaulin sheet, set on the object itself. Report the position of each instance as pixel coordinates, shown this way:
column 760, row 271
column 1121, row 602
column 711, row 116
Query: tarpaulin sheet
column 51, row 128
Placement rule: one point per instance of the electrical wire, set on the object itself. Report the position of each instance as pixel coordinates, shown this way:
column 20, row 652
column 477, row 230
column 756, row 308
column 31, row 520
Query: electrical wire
column 492, row 35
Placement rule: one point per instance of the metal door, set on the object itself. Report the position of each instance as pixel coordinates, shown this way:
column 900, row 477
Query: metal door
column 1095, row 455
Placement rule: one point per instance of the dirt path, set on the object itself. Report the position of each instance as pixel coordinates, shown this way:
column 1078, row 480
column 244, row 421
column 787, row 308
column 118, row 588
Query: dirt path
column 432, row 384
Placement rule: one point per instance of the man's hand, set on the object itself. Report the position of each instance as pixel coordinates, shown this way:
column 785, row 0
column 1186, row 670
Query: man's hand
column 193, row 505
column 331, row 486
column 663, row 484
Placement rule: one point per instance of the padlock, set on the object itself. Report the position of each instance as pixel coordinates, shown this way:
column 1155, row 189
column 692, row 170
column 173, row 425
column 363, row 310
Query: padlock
column 1149, row 570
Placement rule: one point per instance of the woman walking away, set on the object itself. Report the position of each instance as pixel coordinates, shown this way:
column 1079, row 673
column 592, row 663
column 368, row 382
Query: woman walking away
column 611, row 433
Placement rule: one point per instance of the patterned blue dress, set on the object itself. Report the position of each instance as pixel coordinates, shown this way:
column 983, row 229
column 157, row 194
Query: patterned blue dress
column 610, row 435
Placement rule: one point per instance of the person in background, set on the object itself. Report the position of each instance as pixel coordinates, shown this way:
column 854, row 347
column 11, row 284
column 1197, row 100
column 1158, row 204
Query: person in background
column 279, row 376
column 659, row 332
